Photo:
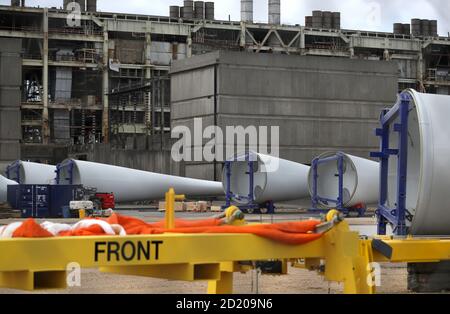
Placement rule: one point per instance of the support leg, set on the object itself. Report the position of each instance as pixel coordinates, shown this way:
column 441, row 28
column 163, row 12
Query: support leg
column 363, row 276
column 33, row 280
column 222, row 286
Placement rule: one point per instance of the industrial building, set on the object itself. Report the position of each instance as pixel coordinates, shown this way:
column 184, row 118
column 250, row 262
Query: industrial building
column 100, row 89
column 363, row 129
column 319, row 104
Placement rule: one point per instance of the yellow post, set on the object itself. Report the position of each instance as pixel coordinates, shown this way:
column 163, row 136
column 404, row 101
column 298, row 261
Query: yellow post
column 171, row 198
column 222, row 286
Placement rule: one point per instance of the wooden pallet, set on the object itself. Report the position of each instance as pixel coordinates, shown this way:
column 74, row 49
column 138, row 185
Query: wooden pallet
column 6, row 212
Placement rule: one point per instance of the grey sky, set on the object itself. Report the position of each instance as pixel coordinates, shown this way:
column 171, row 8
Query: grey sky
column 376, row 15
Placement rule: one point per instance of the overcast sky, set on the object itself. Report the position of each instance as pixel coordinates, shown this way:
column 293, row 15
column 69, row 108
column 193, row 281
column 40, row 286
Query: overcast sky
column 376, row 15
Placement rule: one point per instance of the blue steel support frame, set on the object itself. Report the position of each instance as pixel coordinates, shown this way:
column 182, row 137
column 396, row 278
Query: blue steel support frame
column 69, row 165
column 316, row 198
column 250, row 199
column 397, row 215
column 14, row 169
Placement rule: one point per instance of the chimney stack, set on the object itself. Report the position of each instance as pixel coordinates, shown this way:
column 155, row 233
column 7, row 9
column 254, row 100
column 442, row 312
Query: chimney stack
column 275, row 12
column 247, row 11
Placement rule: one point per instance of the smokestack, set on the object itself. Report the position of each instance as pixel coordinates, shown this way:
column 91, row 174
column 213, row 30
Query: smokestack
column 188, row 9
column 247, row 11
column 91, row 5
column 209, row 11
column 17, row 3
column 275, row 12
column 82, row 4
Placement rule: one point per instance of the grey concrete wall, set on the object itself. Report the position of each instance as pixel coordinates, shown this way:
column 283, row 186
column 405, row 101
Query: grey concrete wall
column 156, row 160
column 49, row 154
column 10, row 97
column 319, row 103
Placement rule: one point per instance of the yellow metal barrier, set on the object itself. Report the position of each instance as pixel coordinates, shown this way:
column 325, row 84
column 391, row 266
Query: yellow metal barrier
column 340, row 256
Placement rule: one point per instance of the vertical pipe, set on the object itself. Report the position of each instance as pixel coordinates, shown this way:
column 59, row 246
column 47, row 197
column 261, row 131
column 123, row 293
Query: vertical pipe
column 45, row 115
column 216, row 69
column 302, row 40
column 148, row 77
column 83, row 126
column 420, row 68
column 243, row 35
column 162, row 89
column 105, row 116
column 275, row 12
column 247, row 11
column 189, row 45
column 153, row 115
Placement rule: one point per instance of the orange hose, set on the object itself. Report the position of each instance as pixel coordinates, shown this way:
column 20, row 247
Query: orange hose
column 292, row 233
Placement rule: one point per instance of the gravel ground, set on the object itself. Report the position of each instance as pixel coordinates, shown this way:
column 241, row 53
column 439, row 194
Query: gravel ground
column 298, row 281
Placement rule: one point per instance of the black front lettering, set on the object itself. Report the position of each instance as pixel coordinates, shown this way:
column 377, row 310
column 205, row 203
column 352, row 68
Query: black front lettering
column 98, row 250
column 128, row 251
column 129, row 257
column 157, row 244
column 113, row 248
column 144, row 250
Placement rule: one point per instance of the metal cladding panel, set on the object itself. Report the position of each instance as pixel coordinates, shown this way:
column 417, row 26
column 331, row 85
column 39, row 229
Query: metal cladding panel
column 193, row 84
column 61, row 126
column 407, row 68
column 319, row 104
column 10, row 97
column 307, row 77
column 130, row 51
column 9, row 150
column 9, row 122
column 63, row 84
column 11, row 45
column 10, row 69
